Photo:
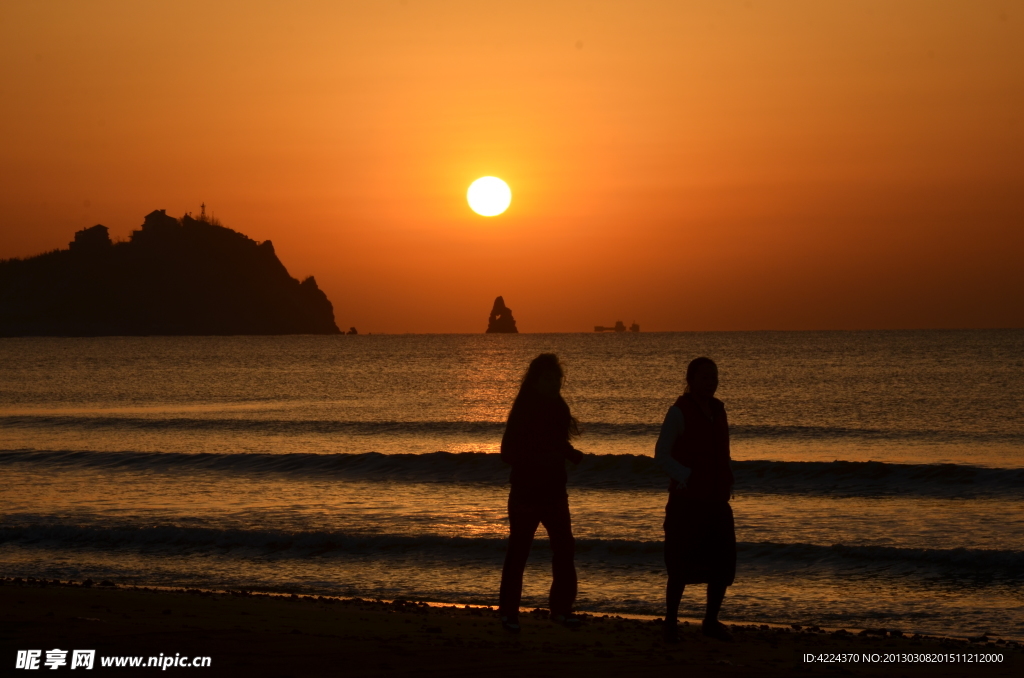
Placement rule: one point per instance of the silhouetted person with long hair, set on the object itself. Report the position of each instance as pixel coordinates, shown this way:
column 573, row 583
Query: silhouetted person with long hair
column 536, row 445
column 700, row 538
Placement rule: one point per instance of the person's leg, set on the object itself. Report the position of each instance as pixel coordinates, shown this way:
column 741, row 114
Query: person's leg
column 522, row 524
column 558, row 522
column 711, row 626
column 673, row 595
column 716, row 594
column 721, row 548
column 673, row 559
column 674, row 566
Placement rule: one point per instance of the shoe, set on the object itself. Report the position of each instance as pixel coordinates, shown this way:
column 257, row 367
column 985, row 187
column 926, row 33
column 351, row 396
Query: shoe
column 670, row 633
column 716, row 630
column 569, row 621
column 510, row 625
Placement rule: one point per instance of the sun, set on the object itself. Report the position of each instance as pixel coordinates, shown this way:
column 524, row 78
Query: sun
column 489, row 196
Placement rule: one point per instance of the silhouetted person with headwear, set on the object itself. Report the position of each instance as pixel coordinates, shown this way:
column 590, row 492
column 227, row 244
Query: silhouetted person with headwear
column 536, row 445
column 700, row 538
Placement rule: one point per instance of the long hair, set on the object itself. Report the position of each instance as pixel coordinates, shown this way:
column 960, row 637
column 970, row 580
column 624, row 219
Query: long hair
column 530, row 395
column 696, row 364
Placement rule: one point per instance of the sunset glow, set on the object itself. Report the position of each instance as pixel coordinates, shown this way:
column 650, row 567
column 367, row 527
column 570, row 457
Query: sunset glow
column 816, row 165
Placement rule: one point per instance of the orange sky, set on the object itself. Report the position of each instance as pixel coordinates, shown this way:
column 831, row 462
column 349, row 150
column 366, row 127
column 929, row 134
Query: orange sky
column 688, row 165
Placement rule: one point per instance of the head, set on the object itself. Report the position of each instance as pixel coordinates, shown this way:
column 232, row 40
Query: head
column 542, row 385
column 544, row 377
column 702, row 377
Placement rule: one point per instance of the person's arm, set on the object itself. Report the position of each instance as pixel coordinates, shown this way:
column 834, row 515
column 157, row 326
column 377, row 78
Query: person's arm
column 670, row 430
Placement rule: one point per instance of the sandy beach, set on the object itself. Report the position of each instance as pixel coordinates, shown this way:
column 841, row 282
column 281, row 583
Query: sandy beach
column 248, row 634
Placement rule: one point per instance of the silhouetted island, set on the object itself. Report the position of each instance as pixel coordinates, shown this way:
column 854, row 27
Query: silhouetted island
column 501, row 320
column 172, row 277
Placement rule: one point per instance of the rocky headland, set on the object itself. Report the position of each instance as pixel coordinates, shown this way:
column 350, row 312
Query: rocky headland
column 172, row 277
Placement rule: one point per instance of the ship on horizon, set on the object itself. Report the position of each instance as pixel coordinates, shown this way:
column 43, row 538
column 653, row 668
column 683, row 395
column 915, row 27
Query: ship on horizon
column 619, row 327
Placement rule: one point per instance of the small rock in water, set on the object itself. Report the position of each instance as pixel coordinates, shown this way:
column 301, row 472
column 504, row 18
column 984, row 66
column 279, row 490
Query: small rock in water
column 501, row 320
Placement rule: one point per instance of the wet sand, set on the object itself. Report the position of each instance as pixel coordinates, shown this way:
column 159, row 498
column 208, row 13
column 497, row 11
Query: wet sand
column 260, row 635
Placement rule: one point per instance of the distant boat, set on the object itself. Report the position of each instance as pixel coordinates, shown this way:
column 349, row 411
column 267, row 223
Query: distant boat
column 619, row 327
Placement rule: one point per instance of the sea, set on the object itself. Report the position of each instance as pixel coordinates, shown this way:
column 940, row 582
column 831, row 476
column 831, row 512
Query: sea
column 879, row 475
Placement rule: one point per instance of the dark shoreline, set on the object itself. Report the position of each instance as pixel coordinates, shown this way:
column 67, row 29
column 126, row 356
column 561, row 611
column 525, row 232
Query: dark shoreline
column 264, row 634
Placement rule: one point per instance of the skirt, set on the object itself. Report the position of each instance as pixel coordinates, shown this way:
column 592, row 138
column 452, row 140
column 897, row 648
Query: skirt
column 700, row 541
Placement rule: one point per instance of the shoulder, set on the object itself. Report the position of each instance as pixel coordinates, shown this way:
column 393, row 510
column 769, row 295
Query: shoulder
column 674, row 416
column 520, row 410
column 719, row 408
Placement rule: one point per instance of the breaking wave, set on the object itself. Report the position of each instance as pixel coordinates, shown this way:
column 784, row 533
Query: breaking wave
column 493, row 429
column 280, row 543
column 611, row 472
